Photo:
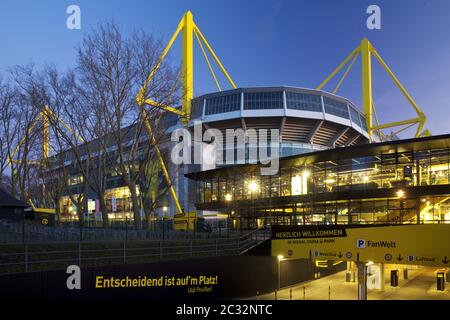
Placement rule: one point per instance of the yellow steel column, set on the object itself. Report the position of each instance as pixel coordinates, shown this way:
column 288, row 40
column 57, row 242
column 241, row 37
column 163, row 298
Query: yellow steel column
column 187, row 66
column 366, row 62
column 161, row 160
column 46, row 134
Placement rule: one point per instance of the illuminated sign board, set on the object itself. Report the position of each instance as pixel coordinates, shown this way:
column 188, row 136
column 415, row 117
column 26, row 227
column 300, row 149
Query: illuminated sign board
column 427, row 245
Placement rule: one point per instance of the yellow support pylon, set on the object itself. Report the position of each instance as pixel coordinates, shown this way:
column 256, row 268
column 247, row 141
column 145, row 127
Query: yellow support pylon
column 44, row 115
column 187, row 66
column 188, row 28
column 366, row 50
column 366, row 61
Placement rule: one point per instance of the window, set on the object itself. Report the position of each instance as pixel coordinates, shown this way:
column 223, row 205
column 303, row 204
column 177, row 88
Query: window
column 196, row 108
column 170, row 119
column 302, row 101
column 355, row 116
column 223, row 103
column 74, row 180
column 363, row 121
column 263, row 100
column 336, row 108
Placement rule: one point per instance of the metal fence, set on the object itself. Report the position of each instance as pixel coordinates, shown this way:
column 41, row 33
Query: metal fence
column 25, row 232
column 38, row 256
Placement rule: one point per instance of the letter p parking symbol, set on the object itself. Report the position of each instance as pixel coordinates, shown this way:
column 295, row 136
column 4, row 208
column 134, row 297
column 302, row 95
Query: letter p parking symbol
column 360, row 243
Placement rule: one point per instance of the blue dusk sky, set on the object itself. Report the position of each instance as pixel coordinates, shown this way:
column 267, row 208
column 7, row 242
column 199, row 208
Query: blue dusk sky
column 264, row 43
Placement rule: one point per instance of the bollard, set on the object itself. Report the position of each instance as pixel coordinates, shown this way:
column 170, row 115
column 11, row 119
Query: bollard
column 290, row 294
column 276, row 294
column 257, row 295
column 329, row 292
column 304, row 293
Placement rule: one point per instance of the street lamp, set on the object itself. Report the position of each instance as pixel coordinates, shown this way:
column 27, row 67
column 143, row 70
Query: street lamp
column 279, row 258
column 165, row 209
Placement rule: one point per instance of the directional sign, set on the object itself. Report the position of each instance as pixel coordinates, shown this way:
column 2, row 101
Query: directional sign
column 427, row 245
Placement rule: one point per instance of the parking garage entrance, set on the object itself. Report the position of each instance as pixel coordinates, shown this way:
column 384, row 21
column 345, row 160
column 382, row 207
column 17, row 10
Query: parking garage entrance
column 368, row 249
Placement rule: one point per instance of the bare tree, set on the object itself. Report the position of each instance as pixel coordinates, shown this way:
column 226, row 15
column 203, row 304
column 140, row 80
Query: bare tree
column 111, row 69
column 30, row 99
column 96, row 100
column 8, row 129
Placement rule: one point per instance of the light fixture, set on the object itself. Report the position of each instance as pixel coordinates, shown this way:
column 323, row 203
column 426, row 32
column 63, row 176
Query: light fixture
column 165, row 208
column 280, row 257
column 400, row 193
column 366, row 178
column 296, row 185
column 228, row 197
column 306, row 174
column 253, row 186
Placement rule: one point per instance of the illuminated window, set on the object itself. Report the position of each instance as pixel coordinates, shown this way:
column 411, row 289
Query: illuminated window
column 299, row 183
column 74, row 180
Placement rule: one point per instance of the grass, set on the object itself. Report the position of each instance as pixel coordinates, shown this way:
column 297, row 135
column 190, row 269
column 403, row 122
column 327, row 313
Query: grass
column 54, row 256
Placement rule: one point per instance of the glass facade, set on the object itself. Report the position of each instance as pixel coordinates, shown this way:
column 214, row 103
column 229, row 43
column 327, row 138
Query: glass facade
column 355, row 117
column 303, row 101
column 393, row 187
column 276, row 99
column 335, row 107
column 196, row 108
column 223, row 103
column 263, row 100
column 118, row 202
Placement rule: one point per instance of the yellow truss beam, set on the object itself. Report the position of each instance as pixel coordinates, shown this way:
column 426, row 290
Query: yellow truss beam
column 160, row 159
column 188, row 28
column 207, row 61
column 366, row 50
column 45, row 115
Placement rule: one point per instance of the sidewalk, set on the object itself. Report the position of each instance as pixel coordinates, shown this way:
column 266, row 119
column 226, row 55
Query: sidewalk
column 421, row 285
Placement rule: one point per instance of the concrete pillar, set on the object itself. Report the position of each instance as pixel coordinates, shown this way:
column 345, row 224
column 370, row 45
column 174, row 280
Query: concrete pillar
column 362, row 281
column 382, row 278
column 348, row 273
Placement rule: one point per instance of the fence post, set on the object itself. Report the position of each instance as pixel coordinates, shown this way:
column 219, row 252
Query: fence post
column 79, row 253
column 126, row 229
column 23, row 228
column 26, row 257
column 124, row 251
